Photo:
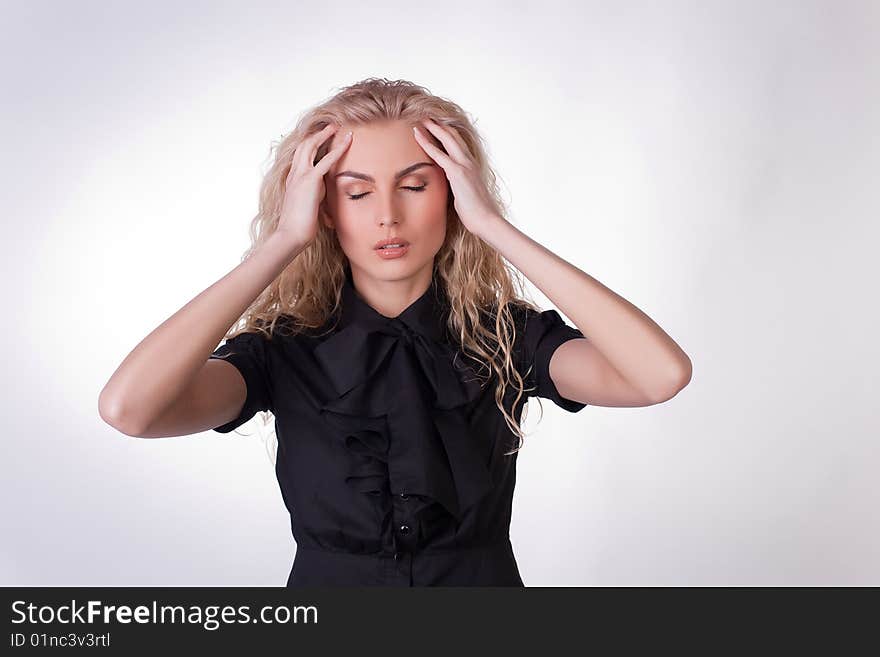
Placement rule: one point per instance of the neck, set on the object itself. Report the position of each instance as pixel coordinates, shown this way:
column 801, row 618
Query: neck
column 390, row 297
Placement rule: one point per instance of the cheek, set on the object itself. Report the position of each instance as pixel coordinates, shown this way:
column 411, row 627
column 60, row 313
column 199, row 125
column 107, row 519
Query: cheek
column 429, row 209
column 435, row 224
column 434, row 200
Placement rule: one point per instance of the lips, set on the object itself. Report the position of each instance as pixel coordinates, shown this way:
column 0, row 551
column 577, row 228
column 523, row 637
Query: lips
column 391, row 240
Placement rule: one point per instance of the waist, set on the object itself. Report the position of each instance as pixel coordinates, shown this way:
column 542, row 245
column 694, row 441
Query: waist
column 426, row 551
column 484, row 564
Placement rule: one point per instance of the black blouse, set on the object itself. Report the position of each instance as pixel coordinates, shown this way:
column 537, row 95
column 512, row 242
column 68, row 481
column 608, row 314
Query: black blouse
column 390, row 452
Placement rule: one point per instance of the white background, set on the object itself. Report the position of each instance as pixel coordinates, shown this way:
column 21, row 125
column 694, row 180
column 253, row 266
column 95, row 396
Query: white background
column 716, row 163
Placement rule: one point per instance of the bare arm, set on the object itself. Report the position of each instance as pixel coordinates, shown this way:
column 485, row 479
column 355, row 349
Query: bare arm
column 167, row 386
column 626, row 358
column 160, row 368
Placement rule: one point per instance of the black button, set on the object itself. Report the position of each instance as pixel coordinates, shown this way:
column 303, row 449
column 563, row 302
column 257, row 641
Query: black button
column 404, row 529
column 396, row 556
column 404, row 496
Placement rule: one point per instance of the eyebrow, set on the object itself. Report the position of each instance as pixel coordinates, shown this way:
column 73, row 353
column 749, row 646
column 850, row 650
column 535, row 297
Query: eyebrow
column 398, row 175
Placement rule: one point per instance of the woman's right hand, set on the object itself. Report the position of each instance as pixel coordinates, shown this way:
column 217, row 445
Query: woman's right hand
column 305, row 189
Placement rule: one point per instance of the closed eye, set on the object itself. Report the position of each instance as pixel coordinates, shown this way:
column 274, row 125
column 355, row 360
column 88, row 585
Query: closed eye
column 355, row 197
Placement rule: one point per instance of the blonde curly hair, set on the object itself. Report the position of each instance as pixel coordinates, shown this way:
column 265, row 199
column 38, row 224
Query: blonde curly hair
column 483, row 292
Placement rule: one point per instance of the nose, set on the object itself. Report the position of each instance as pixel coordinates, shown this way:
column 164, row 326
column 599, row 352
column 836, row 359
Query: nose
column 388, row 213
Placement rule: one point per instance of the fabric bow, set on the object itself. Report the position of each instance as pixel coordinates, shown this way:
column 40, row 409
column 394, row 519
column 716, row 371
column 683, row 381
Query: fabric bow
column 398, row 409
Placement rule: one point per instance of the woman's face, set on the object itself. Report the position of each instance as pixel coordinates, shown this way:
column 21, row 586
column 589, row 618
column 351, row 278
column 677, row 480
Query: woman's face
column 385, row 185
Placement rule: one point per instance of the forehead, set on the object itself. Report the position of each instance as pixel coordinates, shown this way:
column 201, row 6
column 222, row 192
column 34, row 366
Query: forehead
column 379, row 149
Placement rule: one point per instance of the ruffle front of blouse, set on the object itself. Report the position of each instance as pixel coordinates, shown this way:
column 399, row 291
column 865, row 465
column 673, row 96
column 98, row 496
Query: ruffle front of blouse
column 398, row 414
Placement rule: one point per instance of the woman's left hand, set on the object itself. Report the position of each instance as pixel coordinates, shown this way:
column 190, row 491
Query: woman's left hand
column 474, row 209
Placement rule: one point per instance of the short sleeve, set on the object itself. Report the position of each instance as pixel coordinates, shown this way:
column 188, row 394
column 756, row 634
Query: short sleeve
column 248, row 352
column 543, row 332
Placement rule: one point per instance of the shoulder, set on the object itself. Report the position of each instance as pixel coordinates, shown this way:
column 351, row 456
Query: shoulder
column 521, row 316
column 518, row 309
column 266, row 338
column 536, row 332
column 287, row 327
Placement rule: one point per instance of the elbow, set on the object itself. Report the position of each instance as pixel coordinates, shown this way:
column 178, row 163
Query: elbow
column 676, row 382
column 684, row 374
column 111, row 412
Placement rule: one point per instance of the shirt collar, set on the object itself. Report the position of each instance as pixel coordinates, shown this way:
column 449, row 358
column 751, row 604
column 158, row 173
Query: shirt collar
column 426, row 315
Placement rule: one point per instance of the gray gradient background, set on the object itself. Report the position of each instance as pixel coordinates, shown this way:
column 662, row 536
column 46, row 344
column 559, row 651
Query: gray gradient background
column 715, row 163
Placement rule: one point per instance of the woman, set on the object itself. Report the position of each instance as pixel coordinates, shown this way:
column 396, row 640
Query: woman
column 382, row 328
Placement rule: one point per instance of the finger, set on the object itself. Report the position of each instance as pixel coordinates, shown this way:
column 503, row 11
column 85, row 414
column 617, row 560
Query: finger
column 456, row 135
column 320, row 140
column 446, row 137
column 323, row 166
column 309, row 146
column 436, row 154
